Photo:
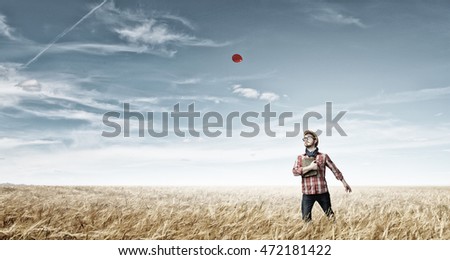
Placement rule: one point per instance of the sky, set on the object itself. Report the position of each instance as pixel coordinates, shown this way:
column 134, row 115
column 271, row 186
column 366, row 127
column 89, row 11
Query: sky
column 64, row 64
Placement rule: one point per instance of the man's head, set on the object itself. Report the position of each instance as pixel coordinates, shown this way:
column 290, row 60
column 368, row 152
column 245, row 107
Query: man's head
column 310, row 139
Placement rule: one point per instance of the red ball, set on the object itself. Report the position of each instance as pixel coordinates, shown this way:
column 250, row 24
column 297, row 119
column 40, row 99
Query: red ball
column 237, row 58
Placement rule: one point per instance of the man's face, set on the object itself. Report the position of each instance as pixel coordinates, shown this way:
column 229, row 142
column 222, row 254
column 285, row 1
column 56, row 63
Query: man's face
column 309, row 141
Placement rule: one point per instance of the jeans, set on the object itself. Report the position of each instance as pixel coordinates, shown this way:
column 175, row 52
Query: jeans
column 308, row 203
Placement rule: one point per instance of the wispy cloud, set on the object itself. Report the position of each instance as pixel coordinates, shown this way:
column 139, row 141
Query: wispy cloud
column 246, row 92
column 254, row 94
column 8, row 70
column 388, row 134
column 16, row 88
column 152, row 100
column 269, row 96
column 188, row 81
column 410, row 96
column 30, row 85
column 152, row 33
column 234, row 78
column 364, row 106
column 6, row 30
column 106, row 49
column 329, row 15
column 9, row 143
column 182, row 20
column 215, row 99
column 69, row 114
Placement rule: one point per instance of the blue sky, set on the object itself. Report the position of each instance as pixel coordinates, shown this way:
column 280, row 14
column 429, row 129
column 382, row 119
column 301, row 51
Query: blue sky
column 63, row 64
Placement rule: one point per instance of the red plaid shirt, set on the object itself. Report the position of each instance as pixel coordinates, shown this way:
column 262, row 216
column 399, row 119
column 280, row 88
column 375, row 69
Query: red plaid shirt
column 316, row 184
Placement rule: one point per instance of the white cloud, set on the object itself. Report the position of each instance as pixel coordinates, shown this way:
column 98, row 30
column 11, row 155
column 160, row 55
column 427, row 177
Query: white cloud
column 188, row 81
column 10, row 93
column 362, row 106
column 106, row 49
column 152, row 33
column 16, row 87
column 111, row 15
column 329, row 15
column 215, row 99
column 263, row 75
column 175, row 99
column 152, row 100
column 10, row 143
column 410, row 96
column 8, row 71
column 390, row 134
column 5, row 29
column 30, row 85
column 254, row 94
column 269, row 96
column 246, row 92
column 70, row 114
column 182, row 20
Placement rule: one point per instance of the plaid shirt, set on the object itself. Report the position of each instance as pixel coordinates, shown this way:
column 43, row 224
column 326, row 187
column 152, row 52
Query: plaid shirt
column 316, row 184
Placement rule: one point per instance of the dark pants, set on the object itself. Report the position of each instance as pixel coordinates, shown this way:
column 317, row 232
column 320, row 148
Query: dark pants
column 308, row 203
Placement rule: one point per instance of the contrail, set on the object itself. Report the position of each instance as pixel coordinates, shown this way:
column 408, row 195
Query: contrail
column 63, row 33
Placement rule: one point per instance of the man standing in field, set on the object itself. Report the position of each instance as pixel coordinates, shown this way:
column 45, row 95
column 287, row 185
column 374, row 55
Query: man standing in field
column 311, row 166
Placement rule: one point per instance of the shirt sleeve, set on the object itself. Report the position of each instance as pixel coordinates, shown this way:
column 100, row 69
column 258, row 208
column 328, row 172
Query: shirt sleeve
column 297, row 169
column 329, row 163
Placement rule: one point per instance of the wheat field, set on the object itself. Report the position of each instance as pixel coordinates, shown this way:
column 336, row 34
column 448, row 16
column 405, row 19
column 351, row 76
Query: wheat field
column 65, row 212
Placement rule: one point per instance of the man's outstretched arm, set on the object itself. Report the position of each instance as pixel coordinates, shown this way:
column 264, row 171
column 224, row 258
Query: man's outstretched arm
column 346, row 186
column 329, row 163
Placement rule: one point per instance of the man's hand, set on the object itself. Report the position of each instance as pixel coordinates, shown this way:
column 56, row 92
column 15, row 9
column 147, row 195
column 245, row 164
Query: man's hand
column 313, row 166
column 346, row 186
